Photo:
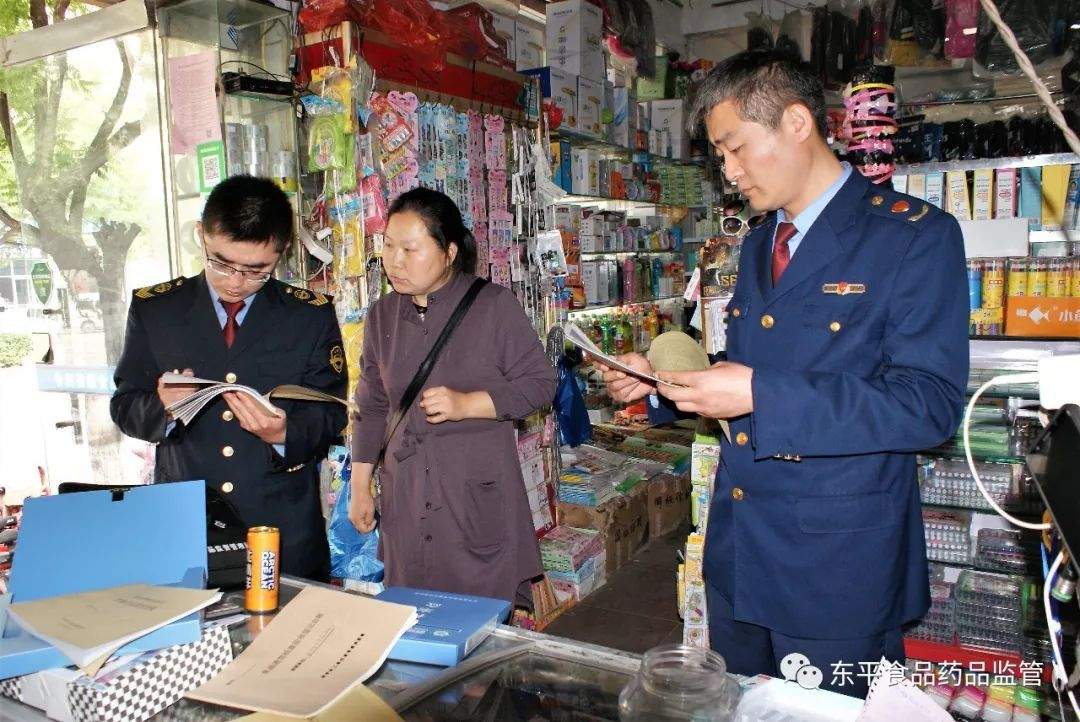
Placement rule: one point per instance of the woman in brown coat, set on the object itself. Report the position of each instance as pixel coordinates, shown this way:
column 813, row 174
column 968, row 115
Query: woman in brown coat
column 454, row 512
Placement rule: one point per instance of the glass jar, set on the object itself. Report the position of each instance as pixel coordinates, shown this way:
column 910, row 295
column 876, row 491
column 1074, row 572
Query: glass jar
column 677, row 683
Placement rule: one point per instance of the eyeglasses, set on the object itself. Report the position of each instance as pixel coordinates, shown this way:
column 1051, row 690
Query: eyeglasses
column 224, row 269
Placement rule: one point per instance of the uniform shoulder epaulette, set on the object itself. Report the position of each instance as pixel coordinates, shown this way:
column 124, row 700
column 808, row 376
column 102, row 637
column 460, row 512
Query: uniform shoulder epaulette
column 892, row 205
column 160, row 289
column 311, row 298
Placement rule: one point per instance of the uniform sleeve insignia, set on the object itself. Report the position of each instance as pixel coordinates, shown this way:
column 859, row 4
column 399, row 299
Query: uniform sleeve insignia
column 312, row 298
column 337, row 358
column 160, row 289
column 922, row 212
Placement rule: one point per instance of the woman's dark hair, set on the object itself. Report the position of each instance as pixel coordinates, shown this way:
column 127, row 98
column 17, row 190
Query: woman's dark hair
column 443, row 221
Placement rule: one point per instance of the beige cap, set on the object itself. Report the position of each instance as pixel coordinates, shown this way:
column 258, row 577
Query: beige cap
column 676, row 351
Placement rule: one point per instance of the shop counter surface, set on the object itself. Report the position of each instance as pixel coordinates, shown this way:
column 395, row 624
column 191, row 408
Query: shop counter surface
column 513, row 675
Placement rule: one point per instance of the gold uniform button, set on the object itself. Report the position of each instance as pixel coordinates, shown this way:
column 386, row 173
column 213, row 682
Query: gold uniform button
column 737, row 494
column 227, row 416
column 227, row 452
column 736, row 313
column 767, row 321
column 227, row 487
column 230, row 378
column 834, row 326
column 741, row 438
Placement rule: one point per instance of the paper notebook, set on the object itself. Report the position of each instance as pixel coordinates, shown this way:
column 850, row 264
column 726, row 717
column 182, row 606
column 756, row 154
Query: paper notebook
column 187, row 409
column 89, row 626
column 577, row 337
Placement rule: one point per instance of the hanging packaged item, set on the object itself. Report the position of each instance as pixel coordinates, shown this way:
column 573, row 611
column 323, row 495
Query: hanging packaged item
column 961, row 25
column 1032, row 22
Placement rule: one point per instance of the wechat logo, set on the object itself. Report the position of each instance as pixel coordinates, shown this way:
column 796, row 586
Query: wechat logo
column 797, row 668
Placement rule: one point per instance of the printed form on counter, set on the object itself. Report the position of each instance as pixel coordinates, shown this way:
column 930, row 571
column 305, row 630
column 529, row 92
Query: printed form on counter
column 320, row 646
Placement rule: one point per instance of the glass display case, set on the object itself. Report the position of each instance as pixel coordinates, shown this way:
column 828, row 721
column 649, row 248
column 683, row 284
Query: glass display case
column 230, row 107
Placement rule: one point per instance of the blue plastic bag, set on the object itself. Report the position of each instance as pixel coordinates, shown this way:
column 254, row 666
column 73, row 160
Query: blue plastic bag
column 574, row 426
column 353, row 555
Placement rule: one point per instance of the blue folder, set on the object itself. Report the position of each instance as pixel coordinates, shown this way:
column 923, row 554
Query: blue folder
column 450, row 626
column 99, row 539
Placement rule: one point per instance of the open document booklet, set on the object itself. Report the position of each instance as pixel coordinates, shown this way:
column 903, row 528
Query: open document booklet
column 318, row 648
column 187, row 409
column 577, row 337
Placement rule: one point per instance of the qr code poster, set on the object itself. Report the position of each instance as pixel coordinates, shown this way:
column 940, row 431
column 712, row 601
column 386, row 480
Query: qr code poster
column 211, row 159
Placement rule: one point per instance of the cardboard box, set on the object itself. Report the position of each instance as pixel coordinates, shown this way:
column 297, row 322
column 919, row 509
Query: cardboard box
column 1005, row 193
column 621, row 128
column 669, row 503
column 957, row 200
column 899, row 183
column 983, row 195
column 574, row 35
column 528, row 46
column 916, row 185
column 560, row 166
column 1031, row 196
column 585, row 171
column 622, row 523
column 561, row 88
column 506, row 32
column 667, row 118
column 1055, row 190
column 1027, row 316
column 935, row 189
column 659, row 86
column 132, row 690
column 590, row 103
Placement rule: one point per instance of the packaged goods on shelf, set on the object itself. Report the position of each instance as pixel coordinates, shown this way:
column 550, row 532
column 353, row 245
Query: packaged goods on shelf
column 675, row 457
column 937, row 625
column 583, row 581
column 948, row 482
column 565, row 549
column 1004, row 551
column 989, row 610
column 622, row 523
column 948, row 536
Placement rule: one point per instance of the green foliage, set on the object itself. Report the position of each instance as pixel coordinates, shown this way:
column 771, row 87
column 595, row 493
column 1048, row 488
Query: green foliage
column 14, row 347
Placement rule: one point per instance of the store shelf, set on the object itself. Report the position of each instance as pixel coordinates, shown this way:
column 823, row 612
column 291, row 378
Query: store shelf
column 576, row 198
column 1028, row 161
column 1060, row 236
column 955, row 452
column 939, row 652
column 1023, row 514
column 610, row 306
column 583, row 140
column 630, row 253
column 1035, row 339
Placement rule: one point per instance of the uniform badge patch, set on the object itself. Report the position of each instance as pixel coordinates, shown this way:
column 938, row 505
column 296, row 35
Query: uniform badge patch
column 301, row 294
column 843, row 288
column 922, row 212
column 337, row 358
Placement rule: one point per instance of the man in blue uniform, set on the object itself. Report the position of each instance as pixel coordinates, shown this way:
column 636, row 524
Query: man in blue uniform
column 846, row 353
column 235, row 322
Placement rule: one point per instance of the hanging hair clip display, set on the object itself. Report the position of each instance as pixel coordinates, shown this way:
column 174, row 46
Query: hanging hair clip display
column 870, row 108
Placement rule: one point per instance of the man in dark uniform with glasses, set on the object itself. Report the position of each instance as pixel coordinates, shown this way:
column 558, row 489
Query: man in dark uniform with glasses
column 236, row 323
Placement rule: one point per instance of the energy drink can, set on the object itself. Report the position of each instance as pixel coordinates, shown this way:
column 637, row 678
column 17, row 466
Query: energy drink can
column 1057, row 278
column 263, row 569
column 993, row 283
column 1037, row 277
column 1018, row 277
column 975, row 291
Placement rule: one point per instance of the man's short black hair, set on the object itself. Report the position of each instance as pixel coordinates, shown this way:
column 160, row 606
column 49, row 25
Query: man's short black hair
column 249, row 209
column 762, row 84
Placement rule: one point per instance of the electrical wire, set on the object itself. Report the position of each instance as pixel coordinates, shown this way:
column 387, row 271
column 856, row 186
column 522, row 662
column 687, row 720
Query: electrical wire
column 1029, row 70
column 997, row 380
column 1061, row 676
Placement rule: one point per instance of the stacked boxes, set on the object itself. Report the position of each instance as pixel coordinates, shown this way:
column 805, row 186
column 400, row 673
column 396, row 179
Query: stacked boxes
column 574, row 35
